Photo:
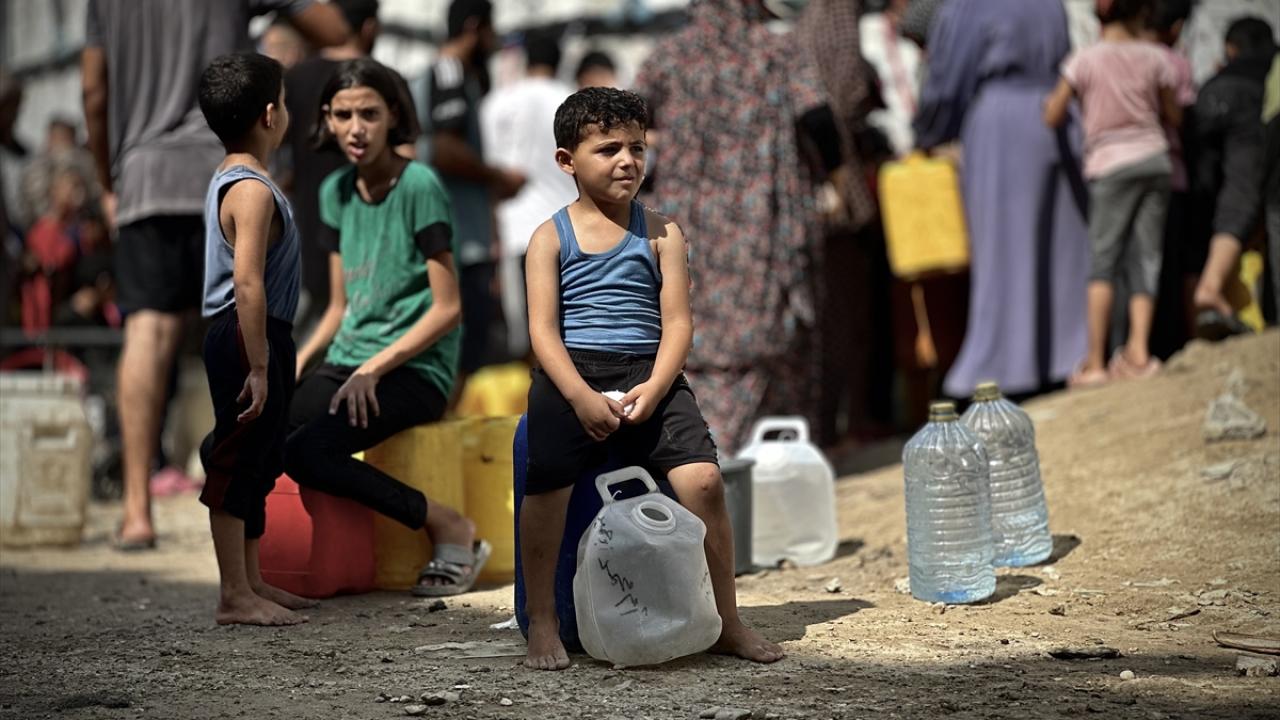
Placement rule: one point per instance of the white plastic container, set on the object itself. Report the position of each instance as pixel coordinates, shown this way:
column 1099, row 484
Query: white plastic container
column 45, row 444
column 642, row 590
column 794, row 499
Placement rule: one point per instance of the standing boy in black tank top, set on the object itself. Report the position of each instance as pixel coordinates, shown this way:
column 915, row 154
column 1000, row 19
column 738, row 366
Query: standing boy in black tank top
column 608, row 285
column 251, row 294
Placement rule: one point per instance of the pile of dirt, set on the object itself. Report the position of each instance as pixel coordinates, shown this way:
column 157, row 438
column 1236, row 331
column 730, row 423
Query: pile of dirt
column 1161, row 539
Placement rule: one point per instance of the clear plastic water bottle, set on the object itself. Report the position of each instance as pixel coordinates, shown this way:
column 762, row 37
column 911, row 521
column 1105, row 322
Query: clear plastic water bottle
column 949, row 546
column 1019, row 518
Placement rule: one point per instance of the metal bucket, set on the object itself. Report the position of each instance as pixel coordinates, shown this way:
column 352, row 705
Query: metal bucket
column 737, row 496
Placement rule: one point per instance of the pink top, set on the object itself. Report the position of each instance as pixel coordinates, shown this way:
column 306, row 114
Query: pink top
column 1119, row 84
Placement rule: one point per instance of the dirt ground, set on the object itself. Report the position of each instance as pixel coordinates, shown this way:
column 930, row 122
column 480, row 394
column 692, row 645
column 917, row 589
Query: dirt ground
column 1152, row 555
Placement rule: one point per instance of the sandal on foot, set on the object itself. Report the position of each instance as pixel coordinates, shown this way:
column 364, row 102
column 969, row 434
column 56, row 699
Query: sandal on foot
column 1082, row 378
column 1213, row 325
column 448, row 563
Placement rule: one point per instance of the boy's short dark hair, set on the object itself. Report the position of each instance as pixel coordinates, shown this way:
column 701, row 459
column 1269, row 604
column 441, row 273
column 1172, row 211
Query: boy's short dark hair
column 542, row 48
column 367, row 72
column 235, row 90
column 592, row 60
column 460, row 11
column 1123, row 10
column 357, row 12
column 606, row 108
column 1168, row 13
column 1251, row 37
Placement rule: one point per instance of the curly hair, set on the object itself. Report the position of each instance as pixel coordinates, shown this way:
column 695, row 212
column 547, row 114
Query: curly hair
column 606, row 108
column 235, row 90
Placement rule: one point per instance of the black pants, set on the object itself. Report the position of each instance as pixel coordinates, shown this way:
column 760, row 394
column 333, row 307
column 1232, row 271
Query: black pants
column 318, row 452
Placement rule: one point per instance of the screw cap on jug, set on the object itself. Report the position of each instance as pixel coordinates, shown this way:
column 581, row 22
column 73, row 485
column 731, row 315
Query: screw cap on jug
column 942, row 411
column 986, row 391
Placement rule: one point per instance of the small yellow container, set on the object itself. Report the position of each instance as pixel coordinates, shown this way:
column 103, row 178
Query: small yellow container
column 428, row 458
column 496, row 391
column 491, row 502
column 923, row 213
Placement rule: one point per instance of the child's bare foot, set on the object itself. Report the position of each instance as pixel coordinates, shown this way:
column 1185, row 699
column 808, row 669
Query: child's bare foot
column 546, row 652
column 282, row 597
column 250, row 609
column 742, row 641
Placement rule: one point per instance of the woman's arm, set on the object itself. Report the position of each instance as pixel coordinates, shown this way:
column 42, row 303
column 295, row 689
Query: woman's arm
column 329, row 323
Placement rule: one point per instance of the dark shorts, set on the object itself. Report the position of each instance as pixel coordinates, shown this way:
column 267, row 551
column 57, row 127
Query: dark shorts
column 560, row 450
column 243, row 460
column 160, row 263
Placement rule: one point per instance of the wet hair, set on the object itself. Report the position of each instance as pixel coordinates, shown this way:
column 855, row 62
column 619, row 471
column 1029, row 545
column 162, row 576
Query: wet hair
column 367, row 72
column 460, row 11
column 542, row 48
column 1168, row 13
column 235, row 90
column 592, row 60
column 357, row 12
column 606, row 108
column 1251, row 37
column 1110, row 11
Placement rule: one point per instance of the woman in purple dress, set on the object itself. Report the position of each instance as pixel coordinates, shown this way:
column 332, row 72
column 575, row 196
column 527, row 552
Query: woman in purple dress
column 991, row 65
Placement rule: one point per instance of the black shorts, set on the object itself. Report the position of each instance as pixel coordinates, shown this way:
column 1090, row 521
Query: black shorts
column 160, row 264
column 243, row 460
column 560, row 450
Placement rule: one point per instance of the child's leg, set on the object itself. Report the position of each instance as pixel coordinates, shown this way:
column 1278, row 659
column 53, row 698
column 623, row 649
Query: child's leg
column 1112, row 201
column 701, row 490
column 1145, row 258
column 1224, row 254
column 542, row 518
column 1100, row 297
column 269, row 592
column 238, row 603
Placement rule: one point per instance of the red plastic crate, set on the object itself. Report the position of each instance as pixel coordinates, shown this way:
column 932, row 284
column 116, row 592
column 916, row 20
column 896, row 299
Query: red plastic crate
column 316, row 545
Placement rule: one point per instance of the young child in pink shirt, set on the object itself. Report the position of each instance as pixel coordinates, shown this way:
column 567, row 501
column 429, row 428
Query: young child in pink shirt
column 1126, row 88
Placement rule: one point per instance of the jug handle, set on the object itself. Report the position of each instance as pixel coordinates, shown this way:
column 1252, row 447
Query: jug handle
column 635, row 472
column 798, row 425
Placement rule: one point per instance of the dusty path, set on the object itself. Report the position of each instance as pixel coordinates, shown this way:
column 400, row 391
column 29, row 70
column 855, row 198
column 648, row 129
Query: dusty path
column 1142, row 536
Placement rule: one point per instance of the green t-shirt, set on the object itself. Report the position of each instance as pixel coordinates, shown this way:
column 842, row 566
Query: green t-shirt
column 384, row 249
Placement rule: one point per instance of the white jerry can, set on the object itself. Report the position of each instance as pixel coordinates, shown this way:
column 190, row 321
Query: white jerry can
column 642, row 590
column 794, row 495
column 45, row 444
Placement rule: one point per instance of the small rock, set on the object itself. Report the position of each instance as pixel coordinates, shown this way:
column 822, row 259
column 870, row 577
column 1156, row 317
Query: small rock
column 1051, row 572
column 415, row 710
column 733, row 714
column 833, row 585
column 1043, row 591
column 1228, row 418
column 382, row 697
column 1213, row 597
column 939, row 608
column 1256, row 666
column 1237, row 384
column 1084, row 653
column 437, row 606
column 902, row 585
column 505, row 702
column 404, row 699
column 440, row 698
column 709, row 713
column 1219, row 471
column 1127, row 675
column 1059, row 610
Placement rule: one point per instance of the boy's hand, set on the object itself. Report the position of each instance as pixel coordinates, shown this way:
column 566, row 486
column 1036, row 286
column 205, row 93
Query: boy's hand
column 255, row 391
column 360, row 394
column 599, row 415
column 643, row 399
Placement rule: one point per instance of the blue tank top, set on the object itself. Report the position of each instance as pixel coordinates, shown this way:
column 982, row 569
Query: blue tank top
column 281, row 274
column 609, row 300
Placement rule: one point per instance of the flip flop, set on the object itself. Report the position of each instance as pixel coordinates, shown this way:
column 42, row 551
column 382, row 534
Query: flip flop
column 448, row 563
column 132, row 546
column 1081, row 379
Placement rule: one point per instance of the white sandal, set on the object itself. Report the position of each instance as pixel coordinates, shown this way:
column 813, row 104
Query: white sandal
column 447, row 563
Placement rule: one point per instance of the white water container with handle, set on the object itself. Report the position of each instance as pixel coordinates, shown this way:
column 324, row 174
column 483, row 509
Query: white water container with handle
column 794, row 495
column 642, row 591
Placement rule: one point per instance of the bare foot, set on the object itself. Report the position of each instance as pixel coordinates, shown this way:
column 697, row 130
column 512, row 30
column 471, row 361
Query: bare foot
column 744, row 642
column 546, row 652
column 283, row 598
column 249, row 609
column 135, row 535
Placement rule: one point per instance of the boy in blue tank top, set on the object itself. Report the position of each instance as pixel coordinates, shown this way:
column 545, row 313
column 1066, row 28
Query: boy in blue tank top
column 608, row 284
column 250, row 295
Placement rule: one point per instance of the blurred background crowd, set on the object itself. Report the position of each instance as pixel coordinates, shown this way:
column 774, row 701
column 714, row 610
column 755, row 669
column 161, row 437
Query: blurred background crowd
column 772, row 121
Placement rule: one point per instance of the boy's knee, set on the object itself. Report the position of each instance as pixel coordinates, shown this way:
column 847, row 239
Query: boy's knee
column 705, row 482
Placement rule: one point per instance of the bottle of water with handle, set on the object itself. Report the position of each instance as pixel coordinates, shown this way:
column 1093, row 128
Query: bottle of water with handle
column 1019, row 518
column 949, row 547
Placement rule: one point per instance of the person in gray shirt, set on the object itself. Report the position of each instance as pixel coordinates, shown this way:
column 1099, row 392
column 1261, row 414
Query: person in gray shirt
column 154, row 155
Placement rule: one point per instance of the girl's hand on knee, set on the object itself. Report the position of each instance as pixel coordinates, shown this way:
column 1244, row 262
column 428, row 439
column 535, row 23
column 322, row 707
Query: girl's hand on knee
column 600, row 416
column 359, row 392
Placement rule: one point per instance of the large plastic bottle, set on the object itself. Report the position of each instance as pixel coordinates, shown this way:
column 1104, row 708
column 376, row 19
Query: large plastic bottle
column 1019, row 518
column 793, row 514
column 949, row 546
column 642, row 588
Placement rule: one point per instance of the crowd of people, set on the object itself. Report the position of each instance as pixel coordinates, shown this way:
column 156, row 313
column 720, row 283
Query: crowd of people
column 1108, row 200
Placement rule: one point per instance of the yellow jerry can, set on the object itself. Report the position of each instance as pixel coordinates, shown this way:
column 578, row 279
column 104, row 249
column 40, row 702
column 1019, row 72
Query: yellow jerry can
column 428, row 458
column 491, row 502
column 496, row 391
column 923, row 214
column 1244, row 290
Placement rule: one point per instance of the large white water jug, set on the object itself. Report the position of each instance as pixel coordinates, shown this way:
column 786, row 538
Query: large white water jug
column 45, row 444
column 793, row 513
column 642, row 591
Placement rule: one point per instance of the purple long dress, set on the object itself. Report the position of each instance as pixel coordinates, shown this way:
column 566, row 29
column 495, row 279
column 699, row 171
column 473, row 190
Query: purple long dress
column 991, row 65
